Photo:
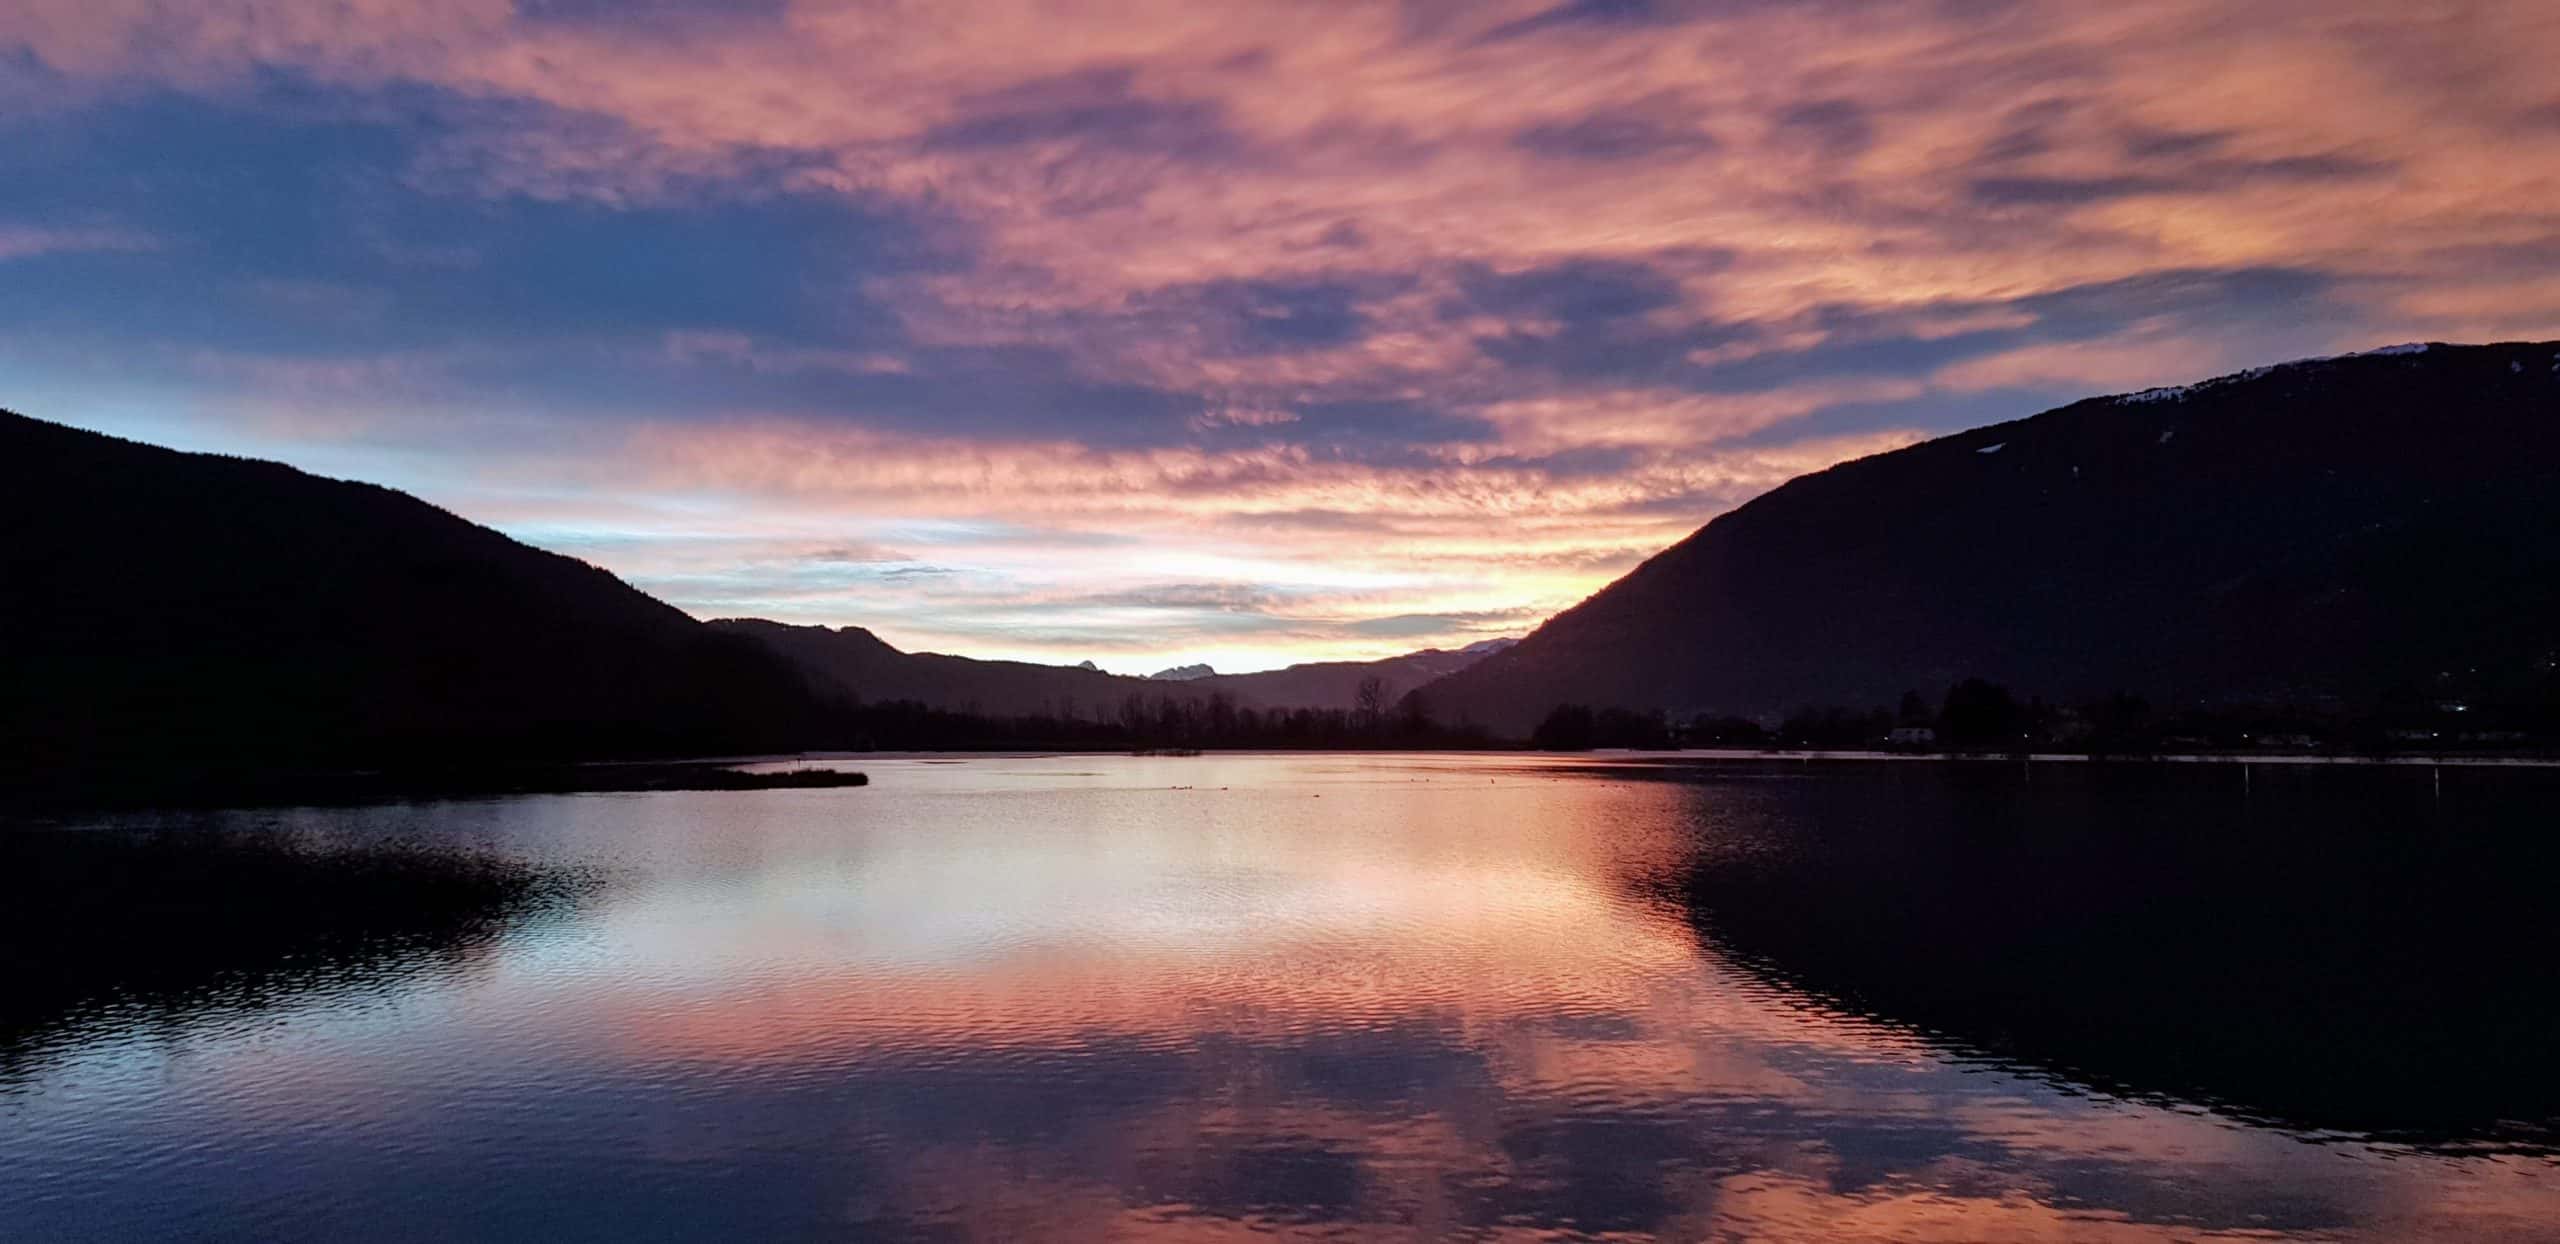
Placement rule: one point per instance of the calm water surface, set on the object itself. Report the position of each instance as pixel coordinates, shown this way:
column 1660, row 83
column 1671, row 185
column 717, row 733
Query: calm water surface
column 1355, row 997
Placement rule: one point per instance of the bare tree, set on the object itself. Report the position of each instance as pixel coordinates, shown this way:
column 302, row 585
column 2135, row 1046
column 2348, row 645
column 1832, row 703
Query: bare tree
column 1372, row 700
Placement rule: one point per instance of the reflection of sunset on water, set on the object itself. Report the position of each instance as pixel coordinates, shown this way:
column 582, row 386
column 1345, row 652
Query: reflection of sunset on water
column 1018, row 999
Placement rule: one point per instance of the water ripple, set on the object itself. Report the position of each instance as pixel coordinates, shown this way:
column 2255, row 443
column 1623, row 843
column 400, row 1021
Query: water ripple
column 1492, row 998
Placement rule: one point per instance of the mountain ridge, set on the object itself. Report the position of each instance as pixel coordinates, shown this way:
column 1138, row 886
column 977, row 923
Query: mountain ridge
column 857, row 662
column 2329, row 530
column 212, row 611
column 2285, row 531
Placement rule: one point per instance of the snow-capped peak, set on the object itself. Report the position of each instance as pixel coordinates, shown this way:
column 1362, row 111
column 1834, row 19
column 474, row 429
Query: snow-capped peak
column 2180, row 392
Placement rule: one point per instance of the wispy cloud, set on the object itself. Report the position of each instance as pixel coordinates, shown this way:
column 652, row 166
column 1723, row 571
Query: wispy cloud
column 1481, row 302
column 19, row 241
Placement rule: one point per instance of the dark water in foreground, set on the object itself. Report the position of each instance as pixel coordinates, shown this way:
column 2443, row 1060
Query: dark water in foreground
column 1355, row 997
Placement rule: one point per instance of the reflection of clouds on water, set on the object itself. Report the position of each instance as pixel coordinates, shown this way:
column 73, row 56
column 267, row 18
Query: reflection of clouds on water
column 936, row 1010
column 158, row 933
column 2352, row 954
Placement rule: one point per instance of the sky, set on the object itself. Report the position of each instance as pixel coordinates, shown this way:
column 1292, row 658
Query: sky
column 1153, row 332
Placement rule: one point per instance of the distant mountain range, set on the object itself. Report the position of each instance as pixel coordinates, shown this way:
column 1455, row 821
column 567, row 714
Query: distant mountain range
column 1336, row 684
column 183, row 613
column 855, row 662
column 2330, row 529
column 1426, row 663
column 2367, row 526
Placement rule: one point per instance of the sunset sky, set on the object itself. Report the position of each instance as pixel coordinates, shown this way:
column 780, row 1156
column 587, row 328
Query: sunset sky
column 1154, row 332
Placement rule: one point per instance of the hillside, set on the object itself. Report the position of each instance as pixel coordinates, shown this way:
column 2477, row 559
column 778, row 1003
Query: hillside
column 2346, row 528
column 854, row 661
column 171, row 611
column 1336, row 684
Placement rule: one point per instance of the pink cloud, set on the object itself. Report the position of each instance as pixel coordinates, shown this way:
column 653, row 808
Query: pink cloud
column 1804, row 182
column 29, row 241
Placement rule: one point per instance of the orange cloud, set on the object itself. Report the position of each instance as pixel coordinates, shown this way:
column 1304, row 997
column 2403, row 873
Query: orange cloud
column 1631, row 242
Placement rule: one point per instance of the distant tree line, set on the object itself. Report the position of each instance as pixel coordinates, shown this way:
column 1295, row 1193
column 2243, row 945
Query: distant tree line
column 1579, row 727
column 1978, row 715
column 1971, row 715
column 1168, row 719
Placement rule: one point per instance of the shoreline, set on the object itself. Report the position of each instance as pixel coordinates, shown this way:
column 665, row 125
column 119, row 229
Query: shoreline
column 2132, row 758
column 425, row 785
column 1793, row 754
column 809, row 771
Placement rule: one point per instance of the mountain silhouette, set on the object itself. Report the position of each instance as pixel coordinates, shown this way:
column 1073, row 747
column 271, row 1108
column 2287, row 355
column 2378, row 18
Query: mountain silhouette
column 2344, row 529
column 201, row 613
column 2328, row 529
column 1336, row 684
column 852, row 661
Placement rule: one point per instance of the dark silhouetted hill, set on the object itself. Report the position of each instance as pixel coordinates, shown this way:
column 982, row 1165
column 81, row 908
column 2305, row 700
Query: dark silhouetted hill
column 2359, row 527
column 170, row 613
column 1336, row 684
column 856, row 662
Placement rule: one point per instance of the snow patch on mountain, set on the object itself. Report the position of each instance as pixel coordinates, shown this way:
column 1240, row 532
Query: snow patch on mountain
column 2181, row 392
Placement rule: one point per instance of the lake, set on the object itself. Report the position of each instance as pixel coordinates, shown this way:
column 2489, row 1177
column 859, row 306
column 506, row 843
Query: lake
column 1353, row 997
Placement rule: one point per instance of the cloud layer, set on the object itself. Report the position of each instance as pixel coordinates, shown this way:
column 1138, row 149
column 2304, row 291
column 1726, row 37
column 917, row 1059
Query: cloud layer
column 1355, row 313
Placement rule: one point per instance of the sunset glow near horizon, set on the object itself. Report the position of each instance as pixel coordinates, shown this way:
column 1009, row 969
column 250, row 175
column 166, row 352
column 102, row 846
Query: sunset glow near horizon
column 1154, row 333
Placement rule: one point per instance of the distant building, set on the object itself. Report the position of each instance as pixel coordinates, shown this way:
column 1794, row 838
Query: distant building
column 1913, row 736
